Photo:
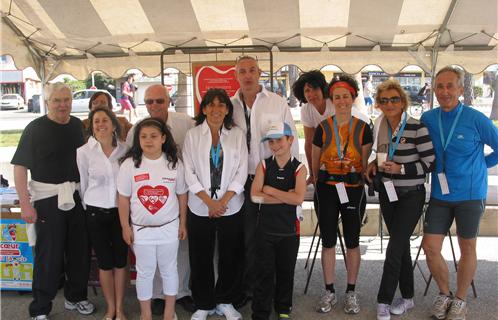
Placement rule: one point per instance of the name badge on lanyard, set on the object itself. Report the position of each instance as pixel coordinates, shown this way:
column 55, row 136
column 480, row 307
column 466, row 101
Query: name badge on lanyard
column 443, row 182
column 391, row 191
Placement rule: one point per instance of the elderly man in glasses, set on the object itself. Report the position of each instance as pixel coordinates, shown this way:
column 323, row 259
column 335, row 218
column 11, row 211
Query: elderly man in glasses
column 157, row 101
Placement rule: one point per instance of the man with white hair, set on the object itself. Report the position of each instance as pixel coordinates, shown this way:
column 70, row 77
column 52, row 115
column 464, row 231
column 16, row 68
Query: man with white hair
column 459, row 187
column 48, row 149
column 157, row 101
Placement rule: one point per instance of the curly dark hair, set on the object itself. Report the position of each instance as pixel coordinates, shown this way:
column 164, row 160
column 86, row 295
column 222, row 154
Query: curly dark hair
column 313, row 78
column 349, row 80
column 114, row 120
column 170, row 148
column 208, row 98
column 96, row 95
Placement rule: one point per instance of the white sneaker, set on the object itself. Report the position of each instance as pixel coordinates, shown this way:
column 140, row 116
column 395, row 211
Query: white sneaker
column 401, row 305
column 458, row 310
column 327, row 301
column 201, row 314
column 383, row 312
column 441, row 306
column 228, row 311
column 351, row 303
column 84, row 307
column 40, row 317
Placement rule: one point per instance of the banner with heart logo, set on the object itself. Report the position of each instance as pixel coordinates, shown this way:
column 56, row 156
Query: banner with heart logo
column 153, row 198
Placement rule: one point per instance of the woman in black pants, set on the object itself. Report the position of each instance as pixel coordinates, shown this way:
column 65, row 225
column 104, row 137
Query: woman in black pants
column 215, row 159
column 404, row 156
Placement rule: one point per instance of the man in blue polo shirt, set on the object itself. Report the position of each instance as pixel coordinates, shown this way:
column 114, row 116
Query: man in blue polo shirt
column 459, row 187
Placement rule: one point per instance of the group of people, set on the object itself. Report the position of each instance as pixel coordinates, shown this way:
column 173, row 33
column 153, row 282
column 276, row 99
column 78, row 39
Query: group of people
column 214, row 200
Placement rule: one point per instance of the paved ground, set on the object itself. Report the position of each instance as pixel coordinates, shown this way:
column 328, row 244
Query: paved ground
column 14, row 306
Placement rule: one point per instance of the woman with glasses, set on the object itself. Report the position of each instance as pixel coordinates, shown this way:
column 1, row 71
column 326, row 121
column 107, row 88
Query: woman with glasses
column 404, row 155
column 341, row 147
column 215, row 157
column 101, row 99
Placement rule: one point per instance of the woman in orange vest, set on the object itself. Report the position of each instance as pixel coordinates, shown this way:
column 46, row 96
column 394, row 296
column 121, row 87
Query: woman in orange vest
column 341, row 147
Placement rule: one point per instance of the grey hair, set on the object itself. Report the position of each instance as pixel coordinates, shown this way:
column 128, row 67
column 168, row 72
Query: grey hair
column 457, row 71
column 49, row 89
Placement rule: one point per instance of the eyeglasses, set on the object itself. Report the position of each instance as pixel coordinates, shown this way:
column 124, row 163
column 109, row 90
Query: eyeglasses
column 393, row 100
column 158, row 101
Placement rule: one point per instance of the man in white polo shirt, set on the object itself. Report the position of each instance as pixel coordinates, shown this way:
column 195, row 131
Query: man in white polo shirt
column 254, row 109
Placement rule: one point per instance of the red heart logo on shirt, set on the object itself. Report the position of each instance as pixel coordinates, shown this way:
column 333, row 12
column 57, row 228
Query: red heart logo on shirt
column 153, row 198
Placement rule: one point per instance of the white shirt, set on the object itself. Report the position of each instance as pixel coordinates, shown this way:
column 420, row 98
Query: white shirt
column 196, row 159
column 311, row 118
column 98, row 173
column 267, row 108
column 153, row 190
column 178, row 123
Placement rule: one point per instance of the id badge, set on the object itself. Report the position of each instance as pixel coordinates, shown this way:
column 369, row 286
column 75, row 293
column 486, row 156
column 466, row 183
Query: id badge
column 443, row 183
column 391, row 191
column 341, row 191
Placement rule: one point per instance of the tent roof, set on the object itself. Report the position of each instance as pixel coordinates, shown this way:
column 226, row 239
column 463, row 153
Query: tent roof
column 81, row 36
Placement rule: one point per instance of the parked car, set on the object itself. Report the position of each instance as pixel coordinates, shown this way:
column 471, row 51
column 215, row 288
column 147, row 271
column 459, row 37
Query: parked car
column 34, row 103
column 11, row 101
column 81, row 99
column 412, row 92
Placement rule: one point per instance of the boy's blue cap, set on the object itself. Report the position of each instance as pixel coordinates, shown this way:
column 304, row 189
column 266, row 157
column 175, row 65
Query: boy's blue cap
column 277, row 130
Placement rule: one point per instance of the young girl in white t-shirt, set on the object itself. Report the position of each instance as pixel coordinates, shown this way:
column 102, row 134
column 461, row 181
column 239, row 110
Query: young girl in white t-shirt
column 152, row 210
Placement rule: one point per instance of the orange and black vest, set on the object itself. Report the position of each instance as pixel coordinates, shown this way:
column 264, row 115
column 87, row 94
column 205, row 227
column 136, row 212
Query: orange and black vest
column 352, row 160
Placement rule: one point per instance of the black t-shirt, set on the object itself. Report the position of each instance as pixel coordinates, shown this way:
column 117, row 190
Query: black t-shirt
column 48, row 150
column 279, row 219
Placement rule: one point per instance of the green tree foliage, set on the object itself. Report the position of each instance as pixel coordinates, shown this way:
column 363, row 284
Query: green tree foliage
column 75, row 85
column 103, row 82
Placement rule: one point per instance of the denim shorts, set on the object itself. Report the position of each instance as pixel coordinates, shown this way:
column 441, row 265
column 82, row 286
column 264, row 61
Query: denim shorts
column 467, row 215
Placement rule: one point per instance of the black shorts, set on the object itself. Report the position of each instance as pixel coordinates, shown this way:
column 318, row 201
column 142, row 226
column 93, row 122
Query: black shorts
column 106, row 237
column 352, row 213
column 467, row 215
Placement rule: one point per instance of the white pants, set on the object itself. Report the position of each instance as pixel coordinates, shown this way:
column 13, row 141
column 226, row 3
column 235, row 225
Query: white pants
column 183, row 274
column 148, row 257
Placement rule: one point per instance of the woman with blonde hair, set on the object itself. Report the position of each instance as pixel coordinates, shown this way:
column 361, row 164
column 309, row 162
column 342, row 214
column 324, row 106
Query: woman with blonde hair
column 404, row 156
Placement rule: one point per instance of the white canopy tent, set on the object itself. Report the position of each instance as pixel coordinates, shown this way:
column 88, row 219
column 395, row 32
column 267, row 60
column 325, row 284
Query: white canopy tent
column 112, row 36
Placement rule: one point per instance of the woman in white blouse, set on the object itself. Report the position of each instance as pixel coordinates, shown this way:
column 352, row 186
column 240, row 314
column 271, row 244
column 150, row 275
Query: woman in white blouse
column 215, row 159
column 98, row 166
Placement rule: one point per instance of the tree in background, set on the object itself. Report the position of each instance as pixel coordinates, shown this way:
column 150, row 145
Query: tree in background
column 468, row 95
column 75, row 85
column 102, row 82
column 494, row 105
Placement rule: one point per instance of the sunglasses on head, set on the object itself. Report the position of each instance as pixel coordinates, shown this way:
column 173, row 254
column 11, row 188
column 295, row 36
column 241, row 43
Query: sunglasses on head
column 393, row 100
column 151, row 101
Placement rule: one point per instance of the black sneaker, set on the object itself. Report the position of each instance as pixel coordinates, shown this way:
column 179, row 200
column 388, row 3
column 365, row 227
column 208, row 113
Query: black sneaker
column 157, row 306
column 187, row 304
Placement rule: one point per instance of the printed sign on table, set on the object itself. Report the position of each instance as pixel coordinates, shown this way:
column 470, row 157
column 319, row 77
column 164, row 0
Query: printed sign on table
column 16, row 262
column 213, row 75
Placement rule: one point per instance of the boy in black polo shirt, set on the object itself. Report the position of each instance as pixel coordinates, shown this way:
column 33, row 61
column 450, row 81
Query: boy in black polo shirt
column 278, row 187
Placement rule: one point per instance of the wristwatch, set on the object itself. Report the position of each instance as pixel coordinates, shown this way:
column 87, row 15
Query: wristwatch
column 402, row 169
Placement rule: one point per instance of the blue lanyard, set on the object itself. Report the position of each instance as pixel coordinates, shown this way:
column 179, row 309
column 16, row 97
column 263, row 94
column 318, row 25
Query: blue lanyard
column 446, row 142
column 215, row 154
column 340, row 153
column 394, row 147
